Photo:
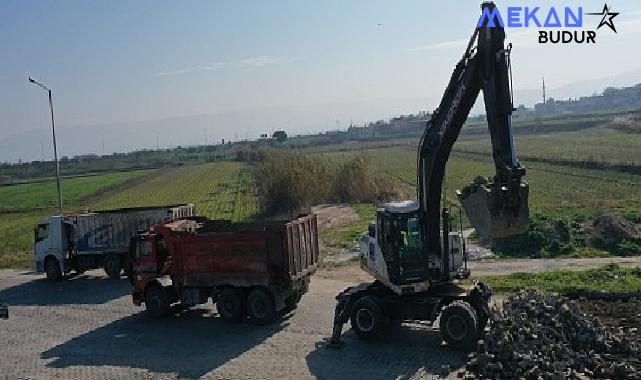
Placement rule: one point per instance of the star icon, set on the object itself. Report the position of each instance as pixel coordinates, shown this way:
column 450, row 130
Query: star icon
column 607, row 17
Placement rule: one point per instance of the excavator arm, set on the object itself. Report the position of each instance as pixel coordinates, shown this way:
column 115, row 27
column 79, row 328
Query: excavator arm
column 497, row 206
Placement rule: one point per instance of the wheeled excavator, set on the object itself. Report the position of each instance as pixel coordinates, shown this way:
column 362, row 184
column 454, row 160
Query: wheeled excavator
column 411, row 250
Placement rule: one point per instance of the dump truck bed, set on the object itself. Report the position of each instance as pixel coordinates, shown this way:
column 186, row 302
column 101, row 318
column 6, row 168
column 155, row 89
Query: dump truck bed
column 207, row 253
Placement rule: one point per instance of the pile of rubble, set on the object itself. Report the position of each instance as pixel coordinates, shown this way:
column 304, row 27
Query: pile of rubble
column 609, row 229
column 549, row 337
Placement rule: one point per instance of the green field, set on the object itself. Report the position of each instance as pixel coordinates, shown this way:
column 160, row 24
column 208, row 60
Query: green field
column 558, row 192
column 554, row 189
column 596, row 145
column 577, row 169
column 75, row 190
column 222, row 190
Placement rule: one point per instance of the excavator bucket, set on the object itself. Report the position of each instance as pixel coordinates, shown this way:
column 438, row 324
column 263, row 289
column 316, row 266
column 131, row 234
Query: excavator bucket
column 494, row 210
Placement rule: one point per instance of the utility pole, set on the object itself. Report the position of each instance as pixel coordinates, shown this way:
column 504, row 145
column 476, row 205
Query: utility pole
column 55, row 148
column 544, row 89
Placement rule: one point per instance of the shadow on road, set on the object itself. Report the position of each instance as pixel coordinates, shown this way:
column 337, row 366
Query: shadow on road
column 189, row 345
column 83, row 289
column 401, row 352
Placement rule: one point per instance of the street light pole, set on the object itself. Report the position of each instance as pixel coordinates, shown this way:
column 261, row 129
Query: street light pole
column 55, row 147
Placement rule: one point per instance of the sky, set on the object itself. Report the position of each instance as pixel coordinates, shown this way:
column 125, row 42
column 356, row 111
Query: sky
column 126, row 72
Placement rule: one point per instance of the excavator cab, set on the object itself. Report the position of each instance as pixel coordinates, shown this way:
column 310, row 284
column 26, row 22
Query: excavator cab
column 393, row 251
column 401, row 245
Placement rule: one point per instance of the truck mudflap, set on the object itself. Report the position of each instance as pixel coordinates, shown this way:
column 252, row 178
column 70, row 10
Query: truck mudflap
column 478, row 295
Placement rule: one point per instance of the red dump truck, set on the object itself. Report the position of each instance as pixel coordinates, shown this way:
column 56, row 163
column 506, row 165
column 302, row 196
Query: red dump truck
column 250, row 270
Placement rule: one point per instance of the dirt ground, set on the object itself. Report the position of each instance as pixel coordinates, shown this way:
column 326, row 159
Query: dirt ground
column 617, row 314
column 86, row 327
column 333, row 215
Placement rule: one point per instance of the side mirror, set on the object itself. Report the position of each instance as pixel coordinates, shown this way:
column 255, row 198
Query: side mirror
column 371, row 230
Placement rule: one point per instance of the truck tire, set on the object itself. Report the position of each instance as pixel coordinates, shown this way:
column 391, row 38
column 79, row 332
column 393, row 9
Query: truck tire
column 112, row 266
column 459, row 324
column 230, row 305
column 260, row 307
column 292, row 302
column 156, row 301
column 367, row 318
column 52, row 269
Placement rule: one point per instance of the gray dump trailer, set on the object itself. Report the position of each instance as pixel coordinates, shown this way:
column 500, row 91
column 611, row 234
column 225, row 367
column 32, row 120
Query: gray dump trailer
column 97, row 239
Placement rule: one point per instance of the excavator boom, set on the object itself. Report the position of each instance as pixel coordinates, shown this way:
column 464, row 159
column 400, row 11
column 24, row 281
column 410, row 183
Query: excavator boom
column 497, row 206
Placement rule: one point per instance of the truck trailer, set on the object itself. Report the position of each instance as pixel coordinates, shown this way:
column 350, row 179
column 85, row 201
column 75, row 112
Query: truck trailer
column 249, row 270
column 96, row 239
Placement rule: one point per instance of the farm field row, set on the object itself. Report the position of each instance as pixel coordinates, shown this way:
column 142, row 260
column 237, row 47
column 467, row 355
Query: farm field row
column 598, row 145
column 40, row 195
column 223, row 190
column 554, row 189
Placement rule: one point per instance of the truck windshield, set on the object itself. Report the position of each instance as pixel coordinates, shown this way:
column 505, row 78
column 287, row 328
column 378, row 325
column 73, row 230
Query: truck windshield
column 41, row 232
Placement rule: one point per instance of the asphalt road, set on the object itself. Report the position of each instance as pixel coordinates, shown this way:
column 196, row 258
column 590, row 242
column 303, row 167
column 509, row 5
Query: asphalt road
column 87, row 328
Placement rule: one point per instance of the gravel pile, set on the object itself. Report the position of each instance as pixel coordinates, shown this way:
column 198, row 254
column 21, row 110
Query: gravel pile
column 549, row 337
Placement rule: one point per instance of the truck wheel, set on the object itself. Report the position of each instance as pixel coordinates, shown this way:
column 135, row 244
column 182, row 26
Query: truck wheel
column 112, row 266
column 52, row 269
column 367, row 317
column 459, row 324
column 292, row 302
column 260, row 307
column 230, row 305
column 156, row 301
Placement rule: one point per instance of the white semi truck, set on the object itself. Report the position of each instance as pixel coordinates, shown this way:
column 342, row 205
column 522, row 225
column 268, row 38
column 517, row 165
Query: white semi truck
column 95, row 239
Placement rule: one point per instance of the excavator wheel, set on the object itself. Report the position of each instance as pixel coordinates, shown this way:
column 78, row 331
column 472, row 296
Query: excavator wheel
column 367, row 317
column 459, row 324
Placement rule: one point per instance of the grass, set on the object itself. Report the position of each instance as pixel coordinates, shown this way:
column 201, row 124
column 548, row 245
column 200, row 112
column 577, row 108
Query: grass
column 223, row 190
column 557, row 192
column 609, row 278
column 554, row 189
column 599, row 145
column 29, row 196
